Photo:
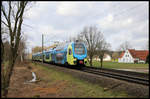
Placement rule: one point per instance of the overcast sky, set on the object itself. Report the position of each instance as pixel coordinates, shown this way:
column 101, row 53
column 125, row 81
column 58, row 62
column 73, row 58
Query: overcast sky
column 118, row 21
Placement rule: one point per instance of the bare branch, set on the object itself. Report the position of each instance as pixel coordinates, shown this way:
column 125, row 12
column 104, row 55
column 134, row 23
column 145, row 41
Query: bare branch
column 4, row 12
column 4, row 23
column 9, row 19
column 16, row 18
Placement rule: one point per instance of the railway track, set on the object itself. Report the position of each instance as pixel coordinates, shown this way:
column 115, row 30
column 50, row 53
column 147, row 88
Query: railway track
column 134, row 77
column 119, row 74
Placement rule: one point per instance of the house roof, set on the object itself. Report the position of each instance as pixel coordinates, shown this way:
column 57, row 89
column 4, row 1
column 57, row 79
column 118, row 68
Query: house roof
column 121, row 55
column 141, row 54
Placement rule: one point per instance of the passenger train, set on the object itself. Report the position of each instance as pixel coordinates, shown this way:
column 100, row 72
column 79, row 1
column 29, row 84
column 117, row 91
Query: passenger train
column 74, row 53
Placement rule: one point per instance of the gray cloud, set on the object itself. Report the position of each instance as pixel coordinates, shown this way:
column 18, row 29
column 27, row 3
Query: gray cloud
column 119, row 21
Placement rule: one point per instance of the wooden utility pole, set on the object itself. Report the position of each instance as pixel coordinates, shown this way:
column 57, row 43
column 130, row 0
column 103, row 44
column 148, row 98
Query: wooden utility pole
column 42, row 47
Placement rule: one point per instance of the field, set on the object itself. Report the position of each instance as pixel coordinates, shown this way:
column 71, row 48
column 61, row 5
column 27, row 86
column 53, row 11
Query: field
column 117, row 65
column 53, row 83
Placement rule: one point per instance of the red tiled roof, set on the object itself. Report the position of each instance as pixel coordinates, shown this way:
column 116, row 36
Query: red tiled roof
column 141, row 54
column 121, row 55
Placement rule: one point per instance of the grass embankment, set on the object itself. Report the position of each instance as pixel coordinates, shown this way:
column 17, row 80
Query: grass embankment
column 117, row 65
column 70, row 86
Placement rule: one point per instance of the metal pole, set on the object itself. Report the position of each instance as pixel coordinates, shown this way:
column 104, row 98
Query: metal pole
column 42, row 47
column 29, row 55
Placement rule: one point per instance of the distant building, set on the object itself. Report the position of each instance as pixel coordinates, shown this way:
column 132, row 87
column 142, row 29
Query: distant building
column 107, row 57
column 133, row 56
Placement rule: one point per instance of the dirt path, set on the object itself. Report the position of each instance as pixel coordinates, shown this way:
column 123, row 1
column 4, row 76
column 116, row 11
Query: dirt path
column 19, row 88
column 46, row 87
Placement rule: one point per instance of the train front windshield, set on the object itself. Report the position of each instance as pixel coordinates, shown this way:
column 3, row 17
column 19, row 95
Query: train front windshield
column 79, row 48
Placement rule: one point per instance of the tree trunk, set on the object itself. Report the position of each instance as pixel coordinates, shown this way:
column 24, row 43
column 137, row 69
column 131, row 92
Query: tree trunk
column 14, row 34
column 21, row 58
column 8, row 75
column 101, row 62
column 90, row 61
column 2, row 51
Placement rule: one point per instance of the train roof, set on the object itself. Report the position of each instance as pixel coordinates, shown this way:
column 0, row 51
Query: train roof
column 62, row 46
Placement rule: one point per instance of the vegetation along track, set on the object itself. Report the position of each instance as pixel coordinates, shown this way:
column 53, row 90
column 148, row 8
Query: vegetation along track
column 129, row 76
column 135, row 77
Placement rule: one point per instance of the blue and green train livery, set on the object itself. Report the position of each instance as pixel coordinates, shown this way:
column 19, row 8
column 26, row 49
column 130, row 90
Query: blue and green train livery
column 74, row 53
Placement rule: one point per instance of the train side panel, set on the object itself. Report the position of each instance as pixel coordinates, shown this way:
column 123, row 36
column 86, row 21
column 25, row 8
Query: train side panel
column 74, row 53
column 60, row 57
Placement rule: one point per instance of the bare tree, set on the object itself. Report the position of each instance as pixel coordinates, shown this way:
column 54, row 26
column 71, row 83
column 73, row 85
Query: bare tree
column 72, row 39
column 21, row 49
column 79, row 37
column 2, row 50
column 91, row 37
column 36, row 49
column 4, row 39
column 12, row 18
column 102, row 49
column 7, row 51
column 110, row 52
column 124, row 46
column 2, row 44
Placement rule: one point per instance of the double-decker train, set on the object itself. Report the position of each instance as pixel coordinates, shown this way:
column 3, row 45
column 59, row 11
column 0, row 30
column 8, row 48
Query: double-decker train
column 74, row 53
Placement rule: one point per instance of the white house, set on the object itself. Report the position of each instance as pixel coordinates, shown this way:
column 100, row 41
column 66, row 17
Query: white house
column 133, row 56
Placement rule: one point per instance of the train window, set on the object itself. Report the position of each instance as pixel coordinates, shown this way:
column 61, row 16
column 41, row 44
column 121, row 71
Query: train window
column 69, row 51
column 59, row 56
column 52, row 56
column 47, row 56
column 79, row 49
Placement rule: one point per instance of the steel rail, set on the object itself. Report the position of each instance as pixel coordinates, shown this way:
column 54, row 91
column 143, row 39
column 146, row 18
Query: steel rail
column 115, row 75
column 118, row 76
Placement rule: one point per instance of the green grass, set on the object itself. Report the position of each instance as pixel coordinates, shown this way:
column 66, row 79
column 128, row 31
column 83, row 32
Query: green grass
column 117, row 65
column 77, row 87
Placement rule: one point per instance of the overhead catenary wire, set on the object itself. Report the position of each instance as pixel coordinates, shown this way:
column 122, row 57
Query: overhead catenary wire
column 120, row 13
column 126, row 10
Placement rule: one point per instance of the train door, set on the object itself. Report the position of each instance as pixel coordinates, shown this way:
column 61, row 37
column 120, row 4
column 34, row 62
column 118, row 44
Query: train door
column 70, row 55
